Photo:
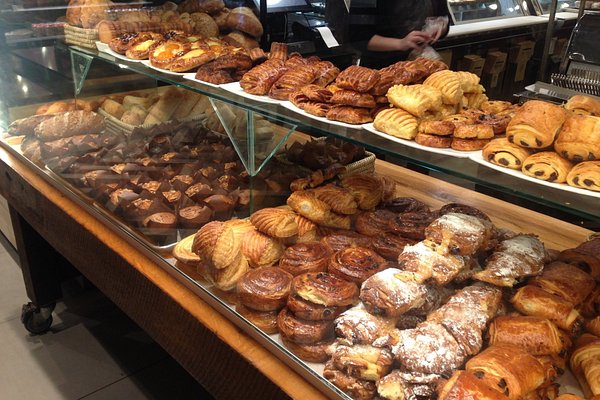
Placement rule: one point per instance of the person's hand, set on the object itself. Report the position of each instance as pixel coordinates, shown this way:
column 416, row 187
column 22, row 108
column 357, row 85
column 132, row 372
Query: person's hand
column 414, row 40
column 436, row 33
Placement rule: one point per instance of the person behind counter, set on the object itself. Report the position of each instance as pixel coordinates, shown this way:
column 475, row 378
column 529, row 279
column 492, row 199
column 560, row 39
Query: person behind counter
column 399, row 30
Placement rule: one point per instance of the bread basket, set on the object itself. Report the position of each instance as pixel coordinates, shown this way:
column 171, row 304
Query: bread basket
column 81, row 36
column 116, row 126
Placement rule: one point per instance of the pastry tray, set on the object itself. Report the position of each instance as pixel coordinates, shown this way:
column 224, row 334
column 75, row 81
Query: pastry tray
column 291, row 107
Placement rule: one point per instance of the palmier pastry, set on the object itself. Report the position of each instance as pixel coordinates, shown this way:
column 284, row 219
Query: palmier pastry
column 260, row 78
column 374, row 223
column 465, row 385
column 356, row 264
column 358, row 326
column 359, row 389
column 340, row 200
column 392, row 292
column 325, row 289
column 460, row 234
column 349, row 114
column 305, row 257
column 352, row 98
column 390, row 246
column 416, row 99
column 566, row 281
column 367, row 190
column 266, row 321
column 396, row 122
column 312, row 352
column 536, row 124
column 426, row 263
column 164, row 54
column 291, row 80
column 585, row 175
column 505, row 154
column 357, row 78
column 449, row 83
column 305, row 309
column 362, row 361
column 303, row 331
column 264, row 289
column 436, row 141
column 412, row 224
column 341, row 239
column 547, row 166
column 325, row 73
column 316, row 108
column 583, row 105
column 275, row 222
column 514, row 259
column 316, row 93
column 261, row 250
column 579, row 139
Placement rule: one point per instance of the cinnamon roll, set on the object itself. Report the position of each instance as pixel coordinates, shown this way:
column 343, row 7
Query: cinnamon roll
column 305, row 257
column 356, row 264
column 264, row 289
column 412, row 224
column 303, row 331
column 311, row 352
column 326, row 289
column 266, row 321
column 390, row 246
column 275, row 222
column 392, row 292
column 305, row 309
column 374, row 223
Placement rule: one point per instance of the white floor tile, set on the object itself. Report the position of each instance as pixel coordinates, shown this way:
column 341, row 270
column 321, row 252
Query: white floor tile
column 12, row 289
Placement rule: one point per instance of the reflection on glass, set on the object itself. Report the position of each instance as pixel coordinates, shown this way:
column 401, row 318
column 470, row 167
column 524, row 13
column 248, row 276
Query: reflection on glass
column 473, row 10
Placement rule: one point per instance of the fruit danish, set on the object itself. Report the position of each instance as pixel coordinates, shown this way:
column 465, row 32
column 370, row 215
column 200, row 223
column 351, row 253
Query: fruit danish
column 165, row 53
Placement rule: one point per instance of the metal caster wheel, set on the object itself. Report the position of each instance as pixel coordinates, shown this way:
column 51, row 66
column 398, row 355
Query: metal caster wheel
column 37, row 321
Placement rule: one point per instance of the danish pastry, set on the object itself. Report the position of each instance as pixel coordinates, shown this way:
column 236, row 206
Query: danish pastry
column 468, row 144
column 416, row 99
column 396, row 122
column 164, row 54
column 547, row 166
column 505, row 154
column 356, row 264
column 494, row 106
column 264, row 289
column 325, row 289
column 579, row 139
column 261, row 78
column 536, row 124
column 449, row 83
column 349, row 114
column 585, row 175
column 305, row 257
column 357, row 78
column 192, row 59
column 352, row 98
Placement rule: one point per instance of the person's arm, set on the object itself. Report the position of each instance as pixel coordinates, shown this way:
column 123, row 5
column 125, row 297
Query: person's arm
column 413, row 40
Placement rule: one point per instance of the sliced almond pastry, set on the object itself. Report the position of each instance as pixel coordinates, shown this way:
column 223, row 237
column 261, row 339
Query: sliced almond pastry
column 192, row 59
column 163, row 55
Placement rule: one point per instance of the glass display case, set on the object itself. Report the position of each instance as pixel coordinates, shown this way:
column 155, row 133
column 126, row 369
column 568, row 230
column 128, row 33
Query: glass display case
column 464, row 11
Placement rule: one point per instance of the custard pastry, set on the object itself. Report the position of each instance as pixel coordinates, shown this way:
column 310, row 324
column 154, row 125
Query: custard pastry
column 449, row 83
column 579, row 139
column 396, row 122
column 416, row 99
column 505, row 154
column 547, row 166
column 585, row 175
column 536, row 124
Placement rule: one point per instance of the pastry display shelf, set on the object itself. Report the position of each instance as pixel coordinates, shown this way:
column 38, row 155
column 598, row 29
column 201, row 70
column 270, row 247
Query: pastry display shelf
column 573, row 206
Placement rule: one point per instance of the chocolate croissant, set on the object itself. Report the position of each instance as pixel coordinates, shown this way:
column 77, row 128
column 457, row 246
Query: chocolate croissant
column 427, row 263
column 505, row 154
column 585, row 175
column 579, row 139
column 547, row 166
column 566, row 281
column 586, row 256
column 459, row 234
column 392, row 292
column 465, row 385
column 362, row 361
column 536, row 124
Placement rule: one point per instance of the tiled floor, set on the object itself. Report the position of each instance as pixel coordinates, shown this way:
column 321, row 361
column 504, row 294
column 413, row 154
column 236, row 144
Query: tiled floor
column 93, row 351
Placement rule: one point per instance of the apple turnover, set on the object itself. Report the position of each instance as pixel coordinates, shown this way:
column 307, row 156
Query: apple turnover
column 416, row 99
column 449, row 83
column 396, row 122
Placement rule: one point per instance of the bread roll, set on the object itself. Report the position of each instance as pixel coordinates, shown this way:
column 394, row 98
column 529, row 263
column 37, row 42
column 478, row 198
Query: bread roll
column 113, row 108
column 134, row 116
column 243, row 19
column 204, row 25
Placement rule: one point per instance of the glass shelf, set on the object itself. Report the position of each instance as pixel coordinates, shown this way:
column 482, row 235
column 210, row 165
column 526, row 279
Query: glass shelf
column 576, row 205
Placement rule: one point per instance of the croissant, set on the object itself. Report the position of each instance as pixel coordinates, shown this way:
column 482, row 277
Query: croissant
column 583, row 105
column 585, row 364
column 291, row 80
column 548, row 166
column 505, row 154
column 352, row 98
column 359, row 389
column 349, row 114
column 585, row 175
column 416, row 99
column 449, row 83
column 408, row 385
column 566, row 281
column 396, row 122
column 357, row 78
column 536, row 124
column 358, row 326
column 579, row 139
column 261, row 78
column 325, row 73
column 426, row 263
column 459, row 234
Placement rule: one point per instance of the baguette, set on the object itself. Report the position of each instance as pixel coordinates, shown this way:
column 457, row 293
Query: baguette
column 26, row 126
column 69, row 124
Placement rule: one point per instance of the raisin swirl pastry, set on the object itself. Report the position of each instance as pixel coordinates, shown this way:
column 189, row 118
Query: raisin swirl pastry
column 503, row 153
column 356, row 264
column 325, row 289
column 405, row 204
column 585, row 175
column 412, row 224
column 392, row 292
column 311, row 352
column 275, row 222
column 303, row 331
column 390, row 246
column 374, row 223
column 266, row 321
column 305, row 257
column 547, row 166
column 340, row 239
column 305, row 309
column 264, row 289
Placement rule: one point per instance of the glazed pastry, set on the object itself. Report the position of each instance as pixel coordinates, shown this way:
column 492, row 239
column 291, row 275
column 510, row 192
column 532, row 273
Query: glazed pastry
column 303, row 331
column 359, row 389
column 275, row 222
column 449, row 83
column 532, row 300
column 390, row 246
column 367, row 190
column 357, row 78
column 305, row 257
column 583, row 105
column 474, row 131
column 340, row 200
column 392, row 292
column 264, row 289
column 439, row 142
column 352, row 98
column 465, row 385
column 566, row 281
column 432, row 66
column 459, row 234
column 142, row 49
column 164, row 54
column 396, row 122
column 298, row 99
column 278, row 51
column 261, row 78
column 505, row 154
column 408, row 385
column 374, row 223
column 261, row 250
column 325, row 73
column 192, row 60
column 316, row 93
column 325, row 289
column 362, row 361
column 468, row 144
column 266, row 321
column 358, row 326
column 305, row 309
column 356, row 264
column 349, row 114
column 469, row 82
column 342, row 239
column 316, row 108
column 547, row 166
column 412, row 224
column 313, row 352
column 537, row 336
column 291, row 80
column 429, row 349
column 426, row 264
column 585, row 175
column 416, row 99
column 512, row 260
column 579, row 139
column 508, row 369
column 536, row 124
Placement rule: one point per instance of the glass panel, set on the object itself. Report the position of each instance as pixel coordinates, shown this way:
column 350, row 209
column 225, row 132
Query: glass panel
column 469, row 10
column 561, row 6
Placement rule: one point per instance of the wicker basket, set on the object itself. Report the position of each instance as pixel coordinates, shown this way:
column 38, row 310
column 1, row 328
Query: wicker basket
column 116, row 126
column 80, row 36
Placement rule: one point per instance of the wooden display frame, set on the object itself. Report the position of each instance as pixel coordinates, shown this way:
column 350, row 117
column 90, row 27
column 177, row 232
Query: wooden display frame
column 223, row 358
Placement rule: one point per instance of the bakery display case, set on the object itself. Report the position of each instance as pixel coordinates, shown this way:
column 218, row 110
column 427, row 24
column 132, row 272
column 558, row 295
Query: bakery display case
column 469, row 11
